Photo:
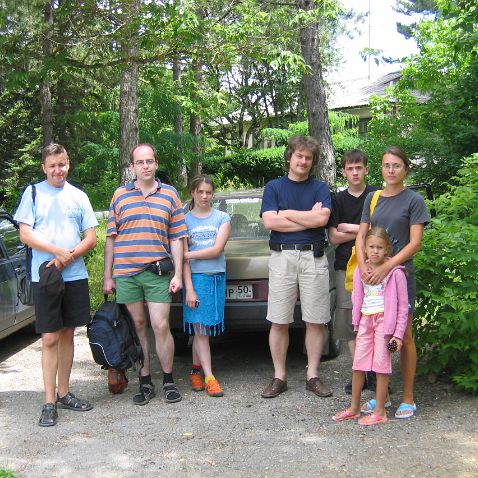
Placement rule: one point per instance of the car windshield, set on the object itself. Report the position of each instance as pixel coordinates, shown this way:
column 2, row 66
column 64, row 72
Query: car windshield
column 245, row 220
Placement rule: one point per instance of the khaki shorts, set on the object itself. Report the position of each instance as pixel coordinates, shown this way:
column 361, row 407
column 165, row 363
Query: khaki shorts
column 343, row 328
column 289, row 270
column 344, row 297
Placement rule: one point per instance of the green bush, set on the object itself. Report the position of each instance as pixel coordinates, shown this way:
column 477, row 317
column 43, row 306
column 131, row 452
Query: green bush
column 95, row 266
column 245, row 168
column 447, row 276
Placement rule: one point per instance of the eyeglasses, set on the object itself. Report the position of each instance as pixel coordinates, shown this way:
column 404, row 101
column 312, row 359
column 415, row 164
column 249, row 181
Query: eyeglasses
column 148, row 162
column 393, row 166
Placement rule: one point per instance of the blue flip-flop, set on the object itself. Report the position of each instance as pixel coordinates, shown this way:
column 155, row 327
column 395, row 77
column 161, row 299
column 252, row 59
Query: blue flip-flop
column 408, row 409
column 371, row 404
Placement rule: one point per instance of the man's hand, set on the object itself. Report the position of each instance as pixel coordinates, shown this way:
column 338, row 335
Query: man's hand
column 64, row 256
column 57, row 264
column 109, row 285
column 175, row 285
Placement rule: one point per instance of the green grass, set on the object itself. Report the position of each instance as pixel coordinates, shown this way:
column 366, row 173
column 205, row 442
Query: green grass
column 7, row 474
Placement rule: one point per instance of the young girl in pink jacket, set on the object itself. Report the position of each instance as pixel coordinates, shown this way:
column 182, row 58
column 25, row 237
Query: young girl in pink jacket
column 379, row 314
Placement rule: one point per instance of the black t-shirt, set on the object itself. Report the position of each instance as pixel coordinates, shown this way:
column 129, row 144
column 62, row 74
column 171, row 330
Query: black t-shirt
column 346, row 208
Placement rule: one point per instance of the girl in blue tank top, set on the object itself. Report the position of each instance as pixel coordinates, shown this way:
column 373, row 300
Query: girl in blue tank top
column 204, row 278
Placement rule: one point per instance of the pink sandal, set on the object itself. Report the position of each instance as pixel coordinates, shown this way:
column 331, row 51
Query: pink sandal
column 372, row 419
column 345, row 415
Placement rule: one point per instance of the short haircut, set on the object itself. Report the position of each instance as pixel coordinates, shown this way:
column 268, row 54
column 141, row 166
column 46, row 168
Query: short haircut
column 149, row 145
column 354, row 156
column 53, row 149
column 300, row 143
column 399, row 153
column 382, row 233
column 196, row 182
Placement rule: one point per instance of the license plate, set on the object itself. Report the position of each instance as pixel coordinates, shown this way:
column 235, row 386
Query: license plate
column 239, row 291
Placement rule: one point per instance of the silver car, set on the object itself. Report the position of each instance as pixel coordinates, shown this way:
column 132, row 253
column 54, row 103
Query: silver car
column 247, row 271
column 15, row 292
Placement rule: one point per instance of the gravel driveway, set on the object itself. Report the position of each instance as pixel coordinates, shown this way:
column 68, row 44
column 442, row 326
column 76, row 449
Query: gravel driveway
column 239, row 435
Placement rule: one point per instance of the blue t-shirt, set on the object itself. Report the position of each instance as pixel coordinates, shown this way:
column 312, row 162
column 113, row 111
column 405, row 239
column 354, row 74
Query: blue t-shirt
column 283, row 193
column 202, row 233
column 59, row 216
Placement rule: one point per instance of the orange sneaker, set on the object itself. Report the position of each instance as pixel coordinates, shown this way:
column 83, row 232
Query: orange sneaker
column 213, row 388
column 197, row 383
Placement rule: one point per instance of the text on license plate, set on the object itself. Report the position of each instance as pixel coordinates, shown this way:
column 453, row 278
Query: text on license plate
column 239, row 291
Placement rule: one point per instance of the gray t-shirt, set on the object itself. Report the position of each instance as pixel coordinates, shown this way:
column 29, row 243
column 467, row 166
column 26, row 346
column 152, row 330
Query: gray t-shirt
column 396, row 214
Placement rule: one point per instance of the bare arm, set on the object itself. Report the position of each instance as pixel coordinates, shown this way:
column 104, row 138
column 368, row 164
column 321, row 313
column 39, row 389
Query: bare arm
column 213, row 251
column 318, row 216
column 63, row 257
column 337, row 237
column 87, row 243
column 274, row 222
column 108, row 281
column 416, row 235
column 177, row 248
column 360, row 246
column 348, row 228
column 191, row 296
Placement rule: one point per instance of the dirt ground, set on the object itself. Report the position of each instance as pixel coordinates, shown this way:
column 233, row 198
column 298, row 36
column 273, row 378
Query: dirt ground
column 239, row 435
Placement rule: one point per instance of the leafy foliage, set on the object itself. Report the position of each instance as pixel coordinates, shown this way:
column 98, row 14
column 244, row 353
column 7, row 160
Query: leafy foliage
column 447, row 274
column 342, row 126
column 95, row 266
column 441, row 128
column 246, row 168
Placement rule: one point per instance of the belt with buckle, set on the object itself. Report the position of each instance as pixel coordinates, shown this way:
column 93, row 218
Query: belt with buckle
column 291, row 247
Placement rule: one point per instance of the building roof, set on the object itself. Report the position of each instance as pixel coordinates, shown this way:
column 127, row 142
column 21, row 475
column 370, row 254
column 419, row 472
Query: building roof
column 356, row 93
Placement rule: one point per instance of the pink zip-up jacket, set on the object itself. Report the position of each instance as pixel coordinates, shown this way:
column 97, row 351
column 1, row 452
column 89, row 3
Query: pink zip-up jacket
column 395, row 302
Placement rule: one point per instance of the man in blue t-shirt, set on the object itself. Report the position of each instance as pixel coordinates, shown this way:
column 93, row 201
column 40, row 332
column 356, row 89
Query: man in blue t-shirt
column 58, row 223
column 295, row 208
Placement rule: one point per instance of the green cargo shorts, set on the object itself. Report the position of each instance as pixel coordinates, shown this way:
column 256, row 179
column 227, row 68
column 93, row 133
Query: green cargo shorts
column 143, row 286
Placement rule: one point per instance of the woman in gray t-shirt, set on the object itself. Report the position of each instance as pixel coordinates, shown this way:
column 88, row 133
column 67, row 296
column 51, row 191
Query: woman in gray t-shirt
column 403, row 213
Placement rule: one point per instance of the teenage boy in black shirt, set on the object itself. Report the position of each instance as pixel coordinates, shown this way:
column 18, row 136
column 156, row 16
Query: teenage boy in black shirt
column 343, row 226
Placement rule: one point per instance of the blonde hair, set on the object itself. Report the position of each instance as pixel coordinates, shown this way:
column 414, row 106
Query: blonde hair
column 382, row 233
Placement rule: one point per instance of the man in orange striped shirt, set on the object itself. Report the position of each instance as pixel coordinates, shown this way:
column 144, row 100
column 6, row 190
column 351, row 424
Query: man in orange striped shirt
column 145, row 230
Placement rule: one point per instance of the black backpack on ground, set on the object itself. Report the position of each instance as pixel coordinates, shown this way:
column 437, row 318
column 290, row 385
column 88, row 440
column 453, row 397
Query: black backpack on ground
column 113, row 339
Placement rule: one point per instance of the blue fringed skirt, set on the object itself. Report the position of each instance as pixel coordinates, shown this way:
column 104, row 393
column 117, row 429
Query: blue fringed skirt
column 208, row 318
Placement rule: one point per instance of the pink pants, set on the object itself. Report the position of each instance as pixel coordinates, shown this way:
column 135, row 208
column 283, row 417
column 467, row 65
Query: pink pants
column 371, row 351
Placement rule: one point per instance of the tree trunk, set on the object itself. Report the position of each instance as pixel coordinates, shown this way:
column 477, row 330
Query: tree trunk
column 317, row 114
column 179, row 129
column 195, row 119
column 195, row 122
column 129, row 124
column 45, row 93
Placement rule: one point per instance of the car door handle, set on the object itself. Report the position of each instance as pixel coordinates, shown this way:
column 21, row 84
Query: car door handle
column 19, row 270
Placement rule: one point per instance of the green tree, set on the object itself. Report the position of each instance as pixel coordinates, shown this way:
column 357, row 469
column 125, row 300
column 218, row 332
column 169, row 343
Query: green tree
column 440, row 130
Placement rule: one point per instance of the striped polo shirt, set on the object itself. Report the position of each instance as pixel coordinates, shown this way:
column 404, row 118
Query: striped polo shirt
column 142, row 227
